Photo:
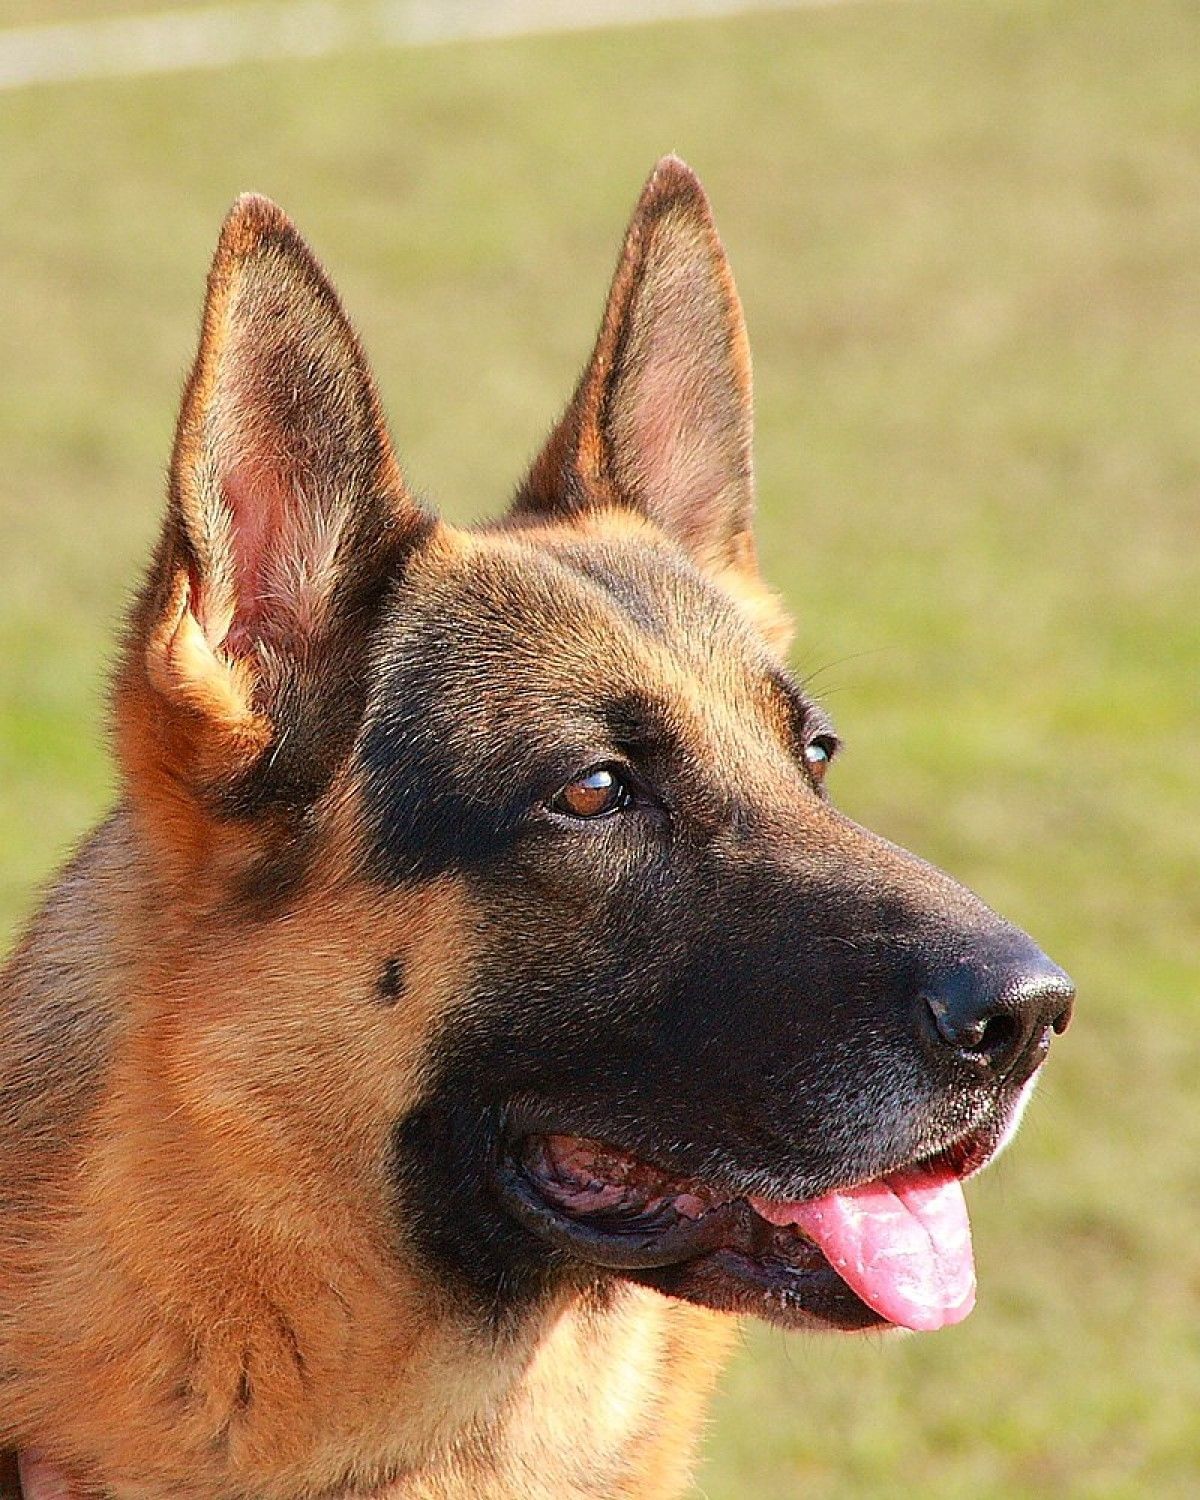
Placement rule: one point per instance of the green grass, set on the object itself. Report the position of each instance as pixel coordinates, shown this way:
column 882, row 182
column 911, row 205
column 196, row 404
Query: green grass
column 968, row 239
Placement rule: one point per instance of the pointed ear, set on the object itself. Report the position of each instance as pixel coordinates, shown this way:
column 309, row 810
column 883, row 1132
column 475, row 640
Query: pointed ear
column 661, row 421
column 287, row 515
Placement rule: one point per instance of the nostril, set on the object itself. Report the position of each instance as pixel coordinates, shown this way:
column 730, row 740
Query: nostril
column 967, row 1033
column 990, row 1038
column 1000, row 1035
column 994, row 1014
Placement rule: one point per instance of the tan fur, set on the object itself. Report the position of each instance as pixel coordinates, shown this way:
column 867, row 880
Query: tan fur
column 209, row 1240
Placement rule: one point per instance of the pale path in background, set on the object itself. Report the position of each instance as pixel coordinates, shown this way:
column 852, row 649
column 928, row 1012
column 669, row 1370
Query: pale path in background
column 217, row 36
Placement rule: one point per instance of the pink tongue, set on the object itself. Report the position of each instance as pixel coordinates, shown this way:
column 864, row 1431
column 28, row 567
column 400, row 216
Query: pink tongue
column 902, row 1244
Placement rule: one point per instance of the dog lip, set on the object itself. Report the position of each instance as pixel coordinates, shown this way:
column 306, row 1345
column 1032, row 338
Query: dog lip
column 726, row 1258
column 722, row 1260
column 616, row 1242
column 790, row 1296
column 647, row 1239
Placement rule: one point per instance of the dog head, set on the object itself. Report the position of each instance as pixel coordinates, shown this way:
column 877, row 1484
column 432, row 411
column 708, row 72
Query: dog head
column 510, row 913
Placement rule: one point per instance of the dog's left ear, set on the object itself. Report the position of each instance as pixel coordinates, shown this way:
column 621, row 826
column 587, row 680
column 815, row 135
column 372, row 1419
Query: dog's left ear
column 661, row 421
column 288, row 521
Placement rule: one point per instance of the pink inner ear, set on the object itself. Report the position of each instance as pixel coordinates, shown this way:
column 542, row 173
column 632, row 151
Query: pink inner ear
column 656, row 421
column 672, row 443
column 259, row 515
column 679, row 416
column 680, row 436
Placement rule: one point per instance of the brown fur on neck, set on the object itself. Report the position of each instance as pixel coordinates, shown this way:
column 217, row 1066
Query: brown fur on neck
column 179, row 1335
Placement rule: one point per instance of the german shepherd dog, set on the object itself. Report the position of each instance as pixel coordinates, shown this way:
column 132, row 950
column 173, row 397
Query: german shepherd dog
column 473, row 998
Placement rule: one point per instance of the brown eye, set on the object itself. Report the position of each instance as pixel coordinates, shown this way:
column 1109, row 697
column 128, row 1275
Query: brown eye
column 818, row 753
column 595, row 795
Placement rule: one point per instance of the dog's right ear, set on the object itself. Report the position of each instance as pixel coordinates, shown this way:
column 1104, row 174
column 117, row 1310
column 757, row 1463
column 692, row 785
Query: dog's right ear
column 661, row 421
column 287, row 518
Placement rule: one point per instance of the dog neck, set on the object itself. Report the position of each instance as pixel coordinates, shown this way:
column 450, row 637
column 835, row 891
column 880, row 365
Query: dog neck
column 199, row 1342
column 604, row 1399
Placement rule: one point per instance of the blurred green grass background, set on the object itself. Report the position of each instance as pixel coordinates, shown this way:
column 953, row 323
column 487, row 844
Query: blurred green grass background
column 967, row 234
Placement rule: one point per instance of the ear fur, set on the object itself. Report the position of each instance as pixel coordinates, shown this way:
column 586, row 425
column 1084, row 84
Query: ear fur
column 287, row 515
column 661, row 421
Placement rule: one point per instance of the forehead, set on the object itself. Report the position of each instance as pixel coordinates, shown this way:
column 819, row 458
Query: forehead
column 506, row 666
column 569, row 624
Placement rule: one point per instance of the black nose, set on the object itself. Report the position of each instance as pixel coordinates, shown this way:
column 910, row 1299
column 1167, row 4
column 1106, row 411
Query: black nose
column 994, row 1012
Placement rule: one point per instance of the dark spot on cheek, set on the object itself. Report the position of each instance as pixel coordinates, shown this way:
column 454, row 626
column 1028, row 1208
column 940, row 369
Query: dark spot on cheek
column 390, row 986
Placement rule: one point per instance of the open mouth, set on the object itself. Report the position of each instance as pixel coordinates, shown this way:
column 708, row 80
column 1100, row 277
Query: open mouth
column 894, row 1251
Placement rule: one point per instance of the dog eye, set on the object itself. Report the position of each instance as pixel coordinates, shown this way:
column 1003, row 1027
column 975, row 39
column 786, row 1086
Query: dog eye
column 818, row 753
column 595, row 795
